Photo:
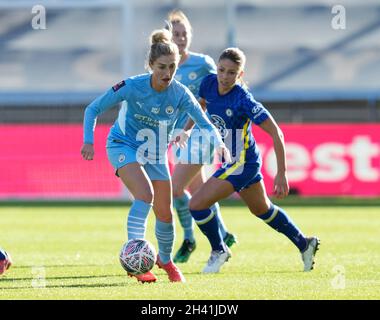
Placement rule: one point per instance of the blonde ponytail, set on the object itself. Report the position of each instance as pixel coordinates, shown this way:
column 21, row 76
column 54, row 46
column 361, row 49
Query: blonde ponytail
column 161, row 44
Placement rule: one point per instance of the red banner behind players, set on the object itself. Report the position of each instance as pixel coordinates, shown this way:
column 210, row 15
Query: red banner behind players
column 44, row 162
column 327, row 159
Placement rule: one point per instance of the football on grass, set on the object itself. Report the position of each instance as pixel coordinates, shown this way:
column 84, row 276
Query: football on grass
column 137, row 256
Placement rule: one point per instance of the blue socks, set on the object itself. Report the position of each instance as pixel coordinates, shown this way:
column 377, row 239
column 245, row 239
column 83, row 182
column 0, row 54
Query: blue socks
column 165, row 238
column 137, row 218
column 222, row 227
column 275, row 217
column 181, row 204
column 279, row 220
column 208, row 223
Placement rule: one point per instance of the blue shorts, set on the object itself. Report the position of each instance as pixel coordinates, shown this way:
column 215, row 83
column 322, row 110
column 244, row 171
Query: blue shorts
column 198, row 151
column 120, row 154
column 241, row 176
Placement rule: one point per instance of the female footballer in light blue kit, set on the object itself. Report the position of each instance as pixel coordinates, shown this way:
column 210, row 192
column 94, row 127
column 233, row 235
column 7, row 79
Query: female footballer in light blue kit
column 233, row 109
column 138, row 141
column 188, row 172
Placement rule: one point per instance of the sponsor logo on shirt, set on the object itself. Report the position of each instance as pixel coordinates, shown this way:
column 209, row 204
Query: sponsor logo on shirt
column 259, row 114
column 147, row 121
column 256, row 109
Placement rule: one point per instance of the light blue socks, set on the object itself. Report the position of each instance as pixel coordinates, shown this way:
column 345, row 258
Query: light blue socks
column 165, row 238
column 137, row 218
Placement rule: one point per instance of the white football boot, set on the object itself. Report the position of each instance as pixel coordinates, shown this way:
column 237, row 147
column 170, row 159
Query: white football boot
column 216, row 260
column 309, row 254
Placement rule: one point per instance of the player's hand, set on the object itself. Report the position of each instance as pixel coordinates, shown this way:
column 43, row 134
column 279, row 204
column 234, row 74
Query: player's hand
column 180, row 140
column 281, row 185
column 224, row 153
column 87, row 151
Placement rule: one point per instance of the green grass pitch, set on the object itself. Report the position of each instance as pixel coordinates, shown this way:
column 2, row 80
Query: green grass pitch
column 71, row 252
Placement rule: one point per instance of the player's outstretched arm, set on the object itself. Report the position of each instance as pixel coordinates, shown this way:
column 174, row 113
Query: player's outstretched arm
column 281, row 185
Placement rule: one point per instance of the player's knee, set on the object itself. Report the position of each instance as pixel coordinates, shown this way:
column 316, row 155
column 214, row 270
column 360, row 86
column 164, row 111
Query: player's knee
column 147, row 196
column 177, row 191
column 164, row 214
column 166, row 219
column 260, row 208
column 178, row 187
column 196, row 203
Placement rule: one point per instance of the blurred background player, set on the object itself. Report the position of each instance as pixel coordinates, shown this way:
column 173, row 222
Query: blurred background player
column 227, row 98
column 154, row 102
column 192, row 68
column 5, row 261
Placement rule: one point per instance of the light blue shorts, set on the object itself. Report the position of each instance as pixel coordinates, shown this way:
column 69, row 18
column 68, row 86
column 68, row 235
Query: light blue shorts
column 120, row 154
column 197, row 151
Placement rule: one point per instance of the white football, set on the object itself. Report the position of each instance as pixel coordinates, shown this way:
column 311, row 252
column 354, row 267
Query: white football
column 137, row 256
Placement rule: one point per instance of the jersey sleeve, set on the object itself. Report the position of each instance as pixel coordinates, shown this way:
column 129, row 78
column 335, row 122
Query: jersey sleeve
column 254, row 110
column 191, row 106
column 114, row 95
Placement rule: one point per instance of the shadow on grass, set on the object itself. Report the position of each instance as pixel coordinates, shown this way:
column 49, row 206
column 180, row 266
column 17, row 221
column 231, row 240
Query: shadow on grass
column 61, row 266
column 239, row 273
column 95, row 285
column 63, row 278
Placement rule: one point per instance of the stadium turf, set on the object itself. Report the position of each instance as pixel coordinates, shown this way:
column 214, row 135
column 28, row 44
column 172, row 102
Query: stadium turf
column 72, row 253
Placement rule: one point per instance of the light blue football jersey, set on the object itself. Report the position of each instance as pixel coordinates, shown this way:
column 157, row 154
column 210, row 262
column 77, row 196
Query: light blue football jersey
column 191, row 74
column 147, row 115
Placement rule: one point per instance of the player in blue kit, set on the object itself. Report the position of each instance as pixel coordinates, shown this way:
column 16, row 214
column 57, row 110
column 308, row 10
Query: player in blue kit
column 233, row 109
column 138, row 141
column 188, row 172
column 5, row 261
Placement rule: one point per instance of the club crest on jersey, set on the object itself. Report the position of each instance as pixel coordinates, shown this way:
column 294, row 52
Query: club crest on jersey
column 220, row 124
column 229, row 112
column 121, row 157
column 118, row 86
column 192, row 75
column 169, row 110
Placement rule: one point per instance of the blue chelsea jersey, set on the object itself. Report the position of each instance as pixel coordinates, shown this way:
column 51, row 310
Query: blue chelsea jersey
column 146, row 108
column 191, row 73
column 233, row 114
